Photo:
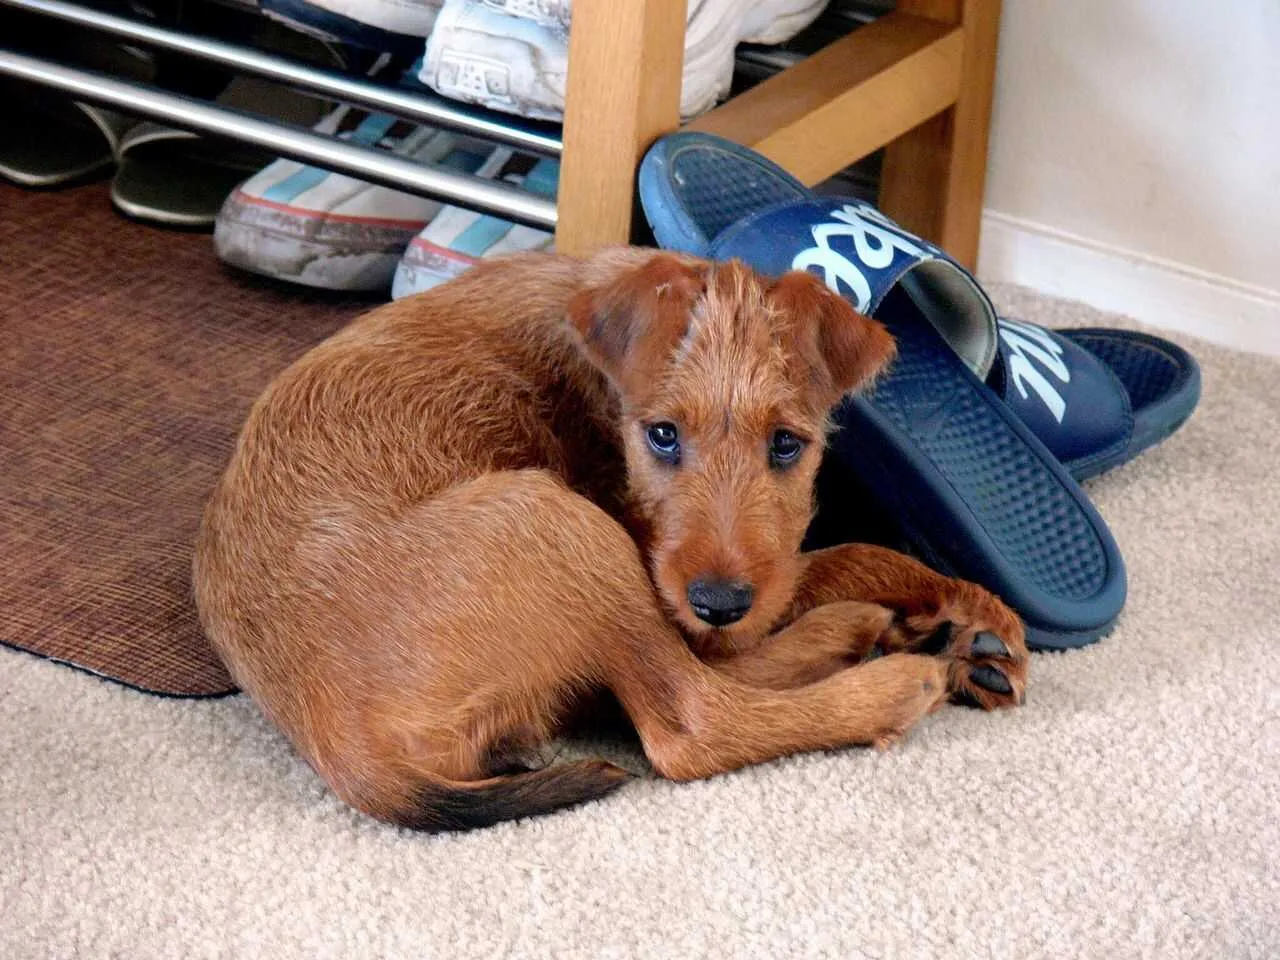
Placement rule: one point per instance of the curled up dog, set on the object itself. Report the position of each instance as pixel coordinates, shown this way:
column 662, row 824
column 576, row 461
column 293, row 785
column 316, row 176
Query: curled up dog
column 471, row 510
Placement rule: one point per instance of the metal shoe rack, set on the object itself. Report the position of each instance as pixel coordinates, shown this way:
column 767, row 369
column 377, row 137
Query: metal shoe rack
column 911, row 84
column 283, row 139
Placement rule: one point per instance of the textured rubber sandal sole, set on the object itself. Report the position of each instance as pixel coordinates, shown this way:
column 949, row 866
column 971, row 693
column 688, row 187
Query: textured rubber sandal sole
column 973, row 496
column 1163, row 383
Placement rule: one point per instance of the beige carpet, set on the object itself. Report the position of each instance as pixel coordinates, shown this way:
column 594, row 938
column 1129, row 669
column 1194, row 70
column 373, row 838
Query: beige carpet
column 1131, row 809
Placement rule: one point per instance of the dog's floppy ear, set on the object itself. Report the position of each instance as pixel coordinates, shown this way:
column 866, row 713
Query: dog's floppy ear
column 843, row 349
column 632, row 322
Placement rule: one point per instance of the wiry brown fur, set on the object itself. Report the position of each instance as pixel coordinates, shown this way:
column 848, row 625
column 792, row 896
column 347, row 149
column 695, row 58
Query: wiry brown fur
column 443, row 527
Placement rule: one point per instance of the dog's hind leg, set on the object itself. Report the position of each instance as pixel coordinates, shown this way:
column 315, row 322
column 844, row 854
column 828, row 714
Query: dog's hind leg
column 695, row 721
column 464, row 628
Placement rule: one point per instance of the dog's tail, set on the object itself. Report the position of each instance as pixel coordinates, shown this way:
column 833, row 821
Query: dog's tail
column 440, row 804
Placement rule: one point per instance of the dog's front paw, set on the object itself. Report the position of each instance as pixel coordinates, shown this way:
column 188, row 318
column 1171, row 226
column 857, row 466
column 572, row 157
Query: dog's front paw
column 986, row 670
column 983, row 641
column 911, row 687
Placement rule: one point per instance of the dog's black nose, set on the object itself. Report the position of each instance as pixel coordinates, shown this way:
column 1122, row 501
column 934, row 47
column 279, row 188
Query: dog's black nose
column 720, row 602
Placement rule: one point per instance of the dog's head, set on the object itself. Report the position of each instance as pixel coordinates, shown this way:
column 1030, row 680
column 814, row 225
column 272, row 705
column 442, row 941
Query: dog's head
column 725, row 380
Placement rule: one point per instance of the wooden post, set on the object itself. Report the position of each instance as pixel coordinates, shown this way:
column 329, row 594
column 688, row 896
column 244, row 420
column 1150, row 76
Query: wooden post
column 934, row 176
column 625, row 65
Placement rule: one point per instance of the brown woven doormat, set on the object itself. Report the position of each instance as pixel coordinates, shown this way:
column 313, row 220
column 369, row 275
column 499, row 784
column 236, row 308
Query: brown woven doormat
column 128, row 360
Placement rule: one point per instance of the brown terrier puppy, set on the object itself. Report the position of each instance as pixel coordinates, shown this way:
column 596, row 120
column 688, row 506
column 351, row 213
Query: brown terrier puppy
column 469, row 510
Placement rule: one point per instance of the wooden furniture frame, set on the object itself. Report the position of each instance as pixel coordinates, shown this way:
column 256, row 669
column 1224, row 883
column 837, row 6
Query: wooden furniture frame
column 917, row 82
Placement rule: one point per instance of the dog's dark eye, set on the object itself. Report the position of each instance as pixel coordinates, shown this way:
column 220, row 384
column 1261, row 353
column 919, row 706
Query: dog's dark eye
column 784, row 448
column 664, row 439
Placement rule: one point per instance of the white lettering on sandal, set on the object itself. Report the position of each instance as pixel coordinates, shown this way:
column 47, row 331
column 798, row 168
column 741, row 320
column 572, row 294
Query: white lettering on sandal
column 1025, row 342
column 875, row 241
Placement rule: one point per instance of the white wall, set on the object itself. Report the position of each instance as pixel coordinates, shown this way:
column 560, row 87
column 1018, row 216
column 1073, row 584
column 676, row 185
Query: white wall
column 1135, row 160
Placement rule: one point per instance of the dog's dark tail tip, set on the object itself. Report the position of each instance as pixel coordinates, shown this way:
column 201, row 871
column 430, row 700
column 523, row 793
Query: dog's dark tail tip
column 441, row 805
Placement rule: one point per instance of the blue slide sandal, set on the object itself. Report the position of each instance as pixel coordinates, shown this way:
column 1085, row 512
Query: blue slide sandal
column 972, row 488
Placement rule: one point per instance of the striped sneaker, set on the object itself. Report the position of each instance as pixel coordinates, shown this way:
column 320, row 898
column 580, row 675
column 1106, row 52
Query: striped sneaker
column 458, row 238
column 324, row 229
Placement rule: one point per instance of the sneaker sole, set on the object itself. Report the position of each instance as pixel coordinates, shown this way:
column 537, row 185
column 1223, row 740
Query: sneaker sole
column 426, row 265
column 330, row 251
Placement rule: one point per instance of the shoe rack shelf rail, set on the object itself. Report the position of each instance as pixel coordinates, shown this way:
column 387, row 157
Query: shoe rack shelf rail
column 129, row 96
column 916, row 82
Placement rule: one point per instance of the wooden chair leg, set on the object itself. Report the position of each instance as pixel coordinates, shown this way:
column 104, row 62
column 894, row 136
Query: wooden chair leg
column 934, row 176
column 625, row 64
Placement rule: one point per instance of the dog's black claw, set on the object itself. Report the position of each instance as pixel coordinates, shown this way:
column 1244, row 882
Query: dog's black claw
column 937, row 641
column 964, row 698
column 987, row 644
column 991, row 679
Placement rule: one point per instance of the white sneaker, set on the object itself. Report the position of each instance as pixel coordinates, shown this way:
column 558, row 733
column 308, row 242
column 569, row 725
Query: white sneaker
column 324, row 229
column 458, row 238
column 513, row 55
column 413, row 18
column 374, row 24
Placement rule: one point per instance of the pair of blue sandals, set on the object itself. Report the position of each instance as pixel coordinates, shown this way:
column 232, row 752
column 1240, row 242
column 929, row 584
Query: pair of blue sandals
column 976, row 438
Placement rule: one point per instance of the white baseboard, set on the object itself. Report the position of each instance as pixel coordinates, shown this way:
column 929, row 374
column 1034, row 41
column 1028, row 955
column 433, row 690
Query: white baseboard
column 1154, row 291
